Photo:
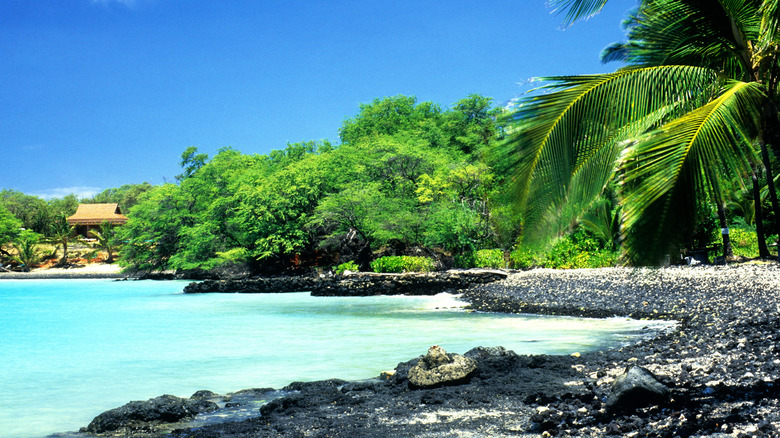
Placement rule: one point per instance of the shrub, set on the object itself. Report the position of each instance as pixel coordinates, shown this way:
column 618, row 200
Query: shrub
column 398, row 264
column 348, row 266
column 525, row 258
column 489, row 258
column 569, row 252
column 464, row 260
column 484, row 258
column 744, row 242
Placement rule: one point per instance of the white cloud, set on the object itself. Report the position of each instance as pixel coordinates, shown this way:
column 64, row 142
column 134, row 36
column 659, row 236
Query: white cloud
column 80, row 192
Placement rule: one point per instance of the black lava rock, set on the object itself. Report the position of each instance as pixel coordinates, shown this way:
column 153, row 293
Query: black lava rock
column 637, row 388
column 165, row 409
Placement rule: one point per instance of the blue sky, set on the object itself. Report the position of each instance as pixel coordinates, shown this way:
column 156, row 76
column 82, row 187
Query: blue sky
column 99, row 93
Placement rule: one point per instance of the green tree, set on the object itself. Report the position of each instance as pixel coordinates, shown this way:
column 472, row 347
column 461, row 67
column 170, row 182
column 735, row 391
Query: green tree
column 31, row 210
column 66, row 205
column 106, row 238
column 9, row 229
column 26, row 248
column 126, row 196
column 191, row 161
column 271, row 209
column 61, row 234
column 473, row 123
column 151, row 234
column 295, row 152
column 393, row 115
column 355, row 208
column 682, row 115
column 9, row 226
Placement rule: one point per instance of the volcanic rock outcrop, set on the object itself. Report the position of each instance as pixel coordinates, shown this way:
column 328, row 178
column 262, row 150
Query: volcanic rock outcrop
column 440, row 368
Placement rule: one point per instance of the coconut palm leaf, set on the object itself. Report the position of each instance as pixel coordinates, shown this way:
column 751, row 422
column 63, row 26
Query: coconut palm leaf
column 703, row 33
column 26, row 247
column 568, row 141
column 576, row 9
column 770, row 23
column 621, row 51
column 664, row 171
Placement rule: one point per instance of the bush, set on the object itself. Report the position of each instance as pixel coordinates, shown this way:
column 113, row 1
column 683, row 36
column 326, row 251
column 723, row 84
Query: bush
column 484, row 258
column 744, row 241
column 569, row 252
column 398, row 264
column 525, row 258
column 348, row 266
column 489, row 258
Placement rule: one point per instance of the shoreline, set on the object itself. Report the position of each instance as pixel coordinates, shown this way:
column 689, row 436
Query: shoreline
column 96, row 270
column 721, row 366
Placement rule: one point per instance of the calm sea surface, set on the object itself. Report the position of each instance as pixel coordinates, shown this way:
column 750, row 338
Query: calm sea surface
column 71, row 349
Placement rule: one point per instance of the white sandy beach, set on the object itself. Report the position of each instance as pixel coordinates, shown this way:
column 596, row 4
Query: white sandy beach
column 94, row 270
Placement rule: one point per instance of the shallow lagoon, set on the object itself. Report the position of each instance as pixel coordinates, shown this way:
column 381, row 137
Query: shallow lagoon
column 74, row 348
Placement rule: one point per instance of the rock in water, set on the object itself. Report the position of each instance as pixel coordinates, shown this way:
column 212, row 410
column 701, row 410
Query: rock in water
column 162, row 409
column 636, row 388
column 439, row 368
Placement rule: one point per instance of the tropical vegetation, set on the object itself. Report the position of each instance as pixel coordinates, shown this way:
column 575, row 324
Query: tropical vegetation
column 692, row 114
column 26, row 250
column 673, row 151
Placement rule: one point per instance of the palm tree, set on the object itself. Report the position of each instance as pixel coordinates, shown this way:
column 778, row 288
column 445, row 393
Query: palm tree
column 26, row 250
column 106, row 239
column 699, row 91
column 61, row 234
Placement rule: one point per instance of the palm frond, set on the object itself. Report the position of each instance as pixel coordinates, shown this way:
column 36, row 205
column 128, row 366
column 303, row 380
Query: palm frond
column 663, row 172
column 622, row 50
column 568, row 141
column 770, row 23
column 614, row 52
column 576, row 9
column 693, row 32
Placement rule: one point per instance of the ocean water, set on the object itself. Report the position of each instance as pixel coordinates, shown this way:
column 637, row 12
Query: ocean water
column 71, row 349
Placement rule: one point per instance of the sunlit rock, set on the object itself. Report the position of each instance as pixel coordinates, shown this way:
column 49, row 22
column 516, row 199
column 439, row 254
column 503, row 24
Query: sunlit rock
column 439, row 368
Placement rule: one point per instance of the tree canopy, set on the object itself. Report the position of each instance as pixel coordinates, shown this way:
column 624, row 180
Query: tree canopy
column 650, row 159
column 405, row 171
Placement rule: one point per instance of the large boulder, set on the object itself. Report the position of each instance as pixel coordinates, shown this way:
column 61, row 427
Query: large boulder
column 636, row 388
column 439, row 368
column 162, row 409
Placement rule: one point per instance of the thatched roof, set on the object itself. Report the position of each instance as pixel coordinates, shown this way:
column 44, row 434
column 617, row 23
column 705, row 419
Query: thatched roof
column 96, row 214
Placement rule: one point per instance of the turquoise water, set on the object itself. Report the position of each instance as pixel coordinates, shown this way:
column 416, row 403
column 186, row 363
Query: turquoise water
column 72, row 349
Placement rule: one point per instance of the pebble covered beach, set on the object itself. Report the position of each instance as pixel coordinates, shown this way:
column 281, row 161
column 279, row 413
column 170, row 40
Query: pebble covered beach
column 721, row 365
column 722, row 362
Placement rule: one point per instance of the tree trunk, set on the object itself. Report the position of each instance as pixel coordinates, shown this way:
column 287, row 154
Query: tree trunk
column 763, row 252
column 64, row 259
column 728, row 252
column 767, row 128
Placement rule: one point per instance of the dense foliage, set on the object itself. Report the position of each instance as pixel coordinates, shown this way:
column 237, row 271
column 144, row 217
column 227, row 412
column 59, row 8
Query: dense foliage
column 400, row 264
column 406, row 174
column 692, row 115
column 643, row 164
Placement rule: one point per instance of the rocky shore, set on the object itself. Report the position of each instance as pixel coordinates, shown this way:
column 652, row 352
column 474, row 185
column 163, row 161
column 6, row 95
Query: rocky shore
column 717, row 374
column 355, row 284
